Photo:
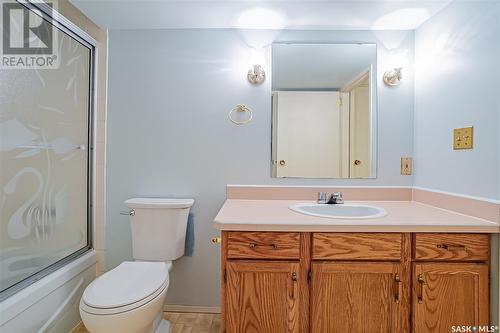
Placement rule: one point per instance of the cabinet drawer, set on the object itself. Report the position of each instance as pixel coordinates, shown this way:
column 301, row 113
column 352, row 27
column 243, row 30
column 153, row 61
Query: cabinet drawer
column 263, row 245
column 451, row 247
column 356, row 246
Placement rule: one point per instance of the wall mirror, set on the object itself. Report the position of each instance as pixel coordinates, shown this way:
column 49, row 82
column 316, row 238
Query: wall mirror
column 324, row 110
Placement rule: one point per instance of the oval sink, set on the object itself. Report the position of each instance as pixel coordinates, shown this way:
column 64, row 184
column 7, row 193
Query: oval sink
column 339, row 211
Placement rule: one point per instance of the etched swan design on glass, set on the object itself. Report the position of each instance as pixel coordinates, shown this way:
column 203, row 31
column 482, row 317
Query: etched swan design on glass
column 43, row 162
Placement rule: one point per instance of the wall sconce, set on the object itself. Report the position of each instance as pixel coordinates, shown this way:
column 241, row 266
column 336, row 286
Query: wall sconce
column 256, row 74
column 393, row 77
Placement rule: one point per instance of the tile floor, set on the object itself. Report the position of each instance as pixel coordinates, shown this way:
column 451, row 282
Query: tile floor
column 185, row 322
column 193, row 322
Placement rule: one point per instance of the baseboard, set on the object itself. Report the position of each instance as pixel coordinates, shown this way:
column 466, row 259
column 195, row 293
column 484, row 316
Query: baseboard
column 189, row 308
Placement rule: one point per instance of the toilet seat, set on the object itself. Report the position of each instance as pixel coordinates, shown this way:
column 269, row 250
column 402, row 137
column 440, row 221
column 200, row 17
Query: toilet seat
column 126, row 287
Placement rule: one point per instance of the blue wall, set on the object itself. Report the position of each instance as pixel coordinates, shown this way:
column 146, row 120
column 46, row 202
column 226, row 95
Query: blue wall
column 168, row 133
column 457, row 54
column 457, row 84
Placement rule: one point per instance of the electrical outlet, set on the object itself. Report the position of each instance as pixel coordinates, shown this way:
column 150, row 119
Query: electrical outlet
column 406, row 166
column 463, row 138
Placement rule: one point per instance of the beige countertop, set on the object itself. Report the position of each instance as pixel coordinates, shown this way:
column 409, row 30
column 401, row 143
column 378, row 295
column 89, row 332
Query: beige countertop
column 402, row 216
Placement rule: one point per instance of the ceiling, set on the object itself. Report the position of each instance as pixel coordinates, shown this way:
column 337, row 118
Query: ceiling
column 259, row 14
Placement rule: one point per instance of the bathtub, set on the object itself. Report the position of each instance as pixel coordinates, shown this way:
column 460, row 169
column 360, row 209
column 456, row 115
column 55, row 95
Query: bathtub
column 50, row 304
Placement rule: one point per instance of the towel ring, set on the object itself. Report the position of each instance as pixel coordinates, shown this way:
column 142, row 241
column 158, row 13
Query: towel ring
column 240, row 108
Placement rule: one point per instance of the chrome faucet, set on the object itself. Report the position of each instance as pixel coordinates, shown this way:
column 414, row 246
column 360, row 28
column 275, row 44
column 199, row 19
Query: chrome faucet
column 333, row 199
column 336, row 198
column 322, row 198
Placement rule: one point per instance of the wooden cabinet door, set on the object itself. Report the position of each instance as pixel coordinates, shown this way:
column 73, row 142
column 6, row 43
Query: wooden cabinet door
column 357, row 297
column 451, row 294
column 262, row 297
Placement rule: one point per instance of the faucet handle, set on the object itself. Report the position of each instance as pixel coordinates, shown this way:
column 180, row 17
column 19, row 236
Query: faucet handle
column 336, row 198
column 322, row 198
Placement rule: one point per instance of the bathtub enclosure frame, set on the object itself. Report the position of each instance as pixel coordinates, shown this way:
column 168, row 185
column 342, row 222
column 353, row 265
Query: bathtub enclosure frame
column 60, row 22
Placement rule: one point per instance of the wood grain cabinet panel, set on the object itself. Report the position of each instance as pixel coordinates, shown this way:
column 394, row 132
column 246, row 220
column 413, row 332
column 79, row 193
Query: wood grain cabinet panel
column 291, row 282
column 357, row 246
column 449, row 294
column 451, row 247
column 262, row 297
column 263, row 245
column 357, row 297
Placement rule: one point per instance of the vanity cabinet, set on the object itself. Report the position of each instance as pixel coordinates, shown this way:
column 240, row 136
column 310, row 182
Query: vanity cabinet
column 263, row 245
column 356, row 297
column 451, row 247
column 450, row 281
column 357, row 246
column 449, row 294
column 262, row 296
column 353, row 282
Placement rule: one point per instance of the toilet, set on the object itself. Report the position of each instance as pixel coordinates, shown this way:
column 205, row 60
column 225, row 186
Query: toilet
column 130, row 297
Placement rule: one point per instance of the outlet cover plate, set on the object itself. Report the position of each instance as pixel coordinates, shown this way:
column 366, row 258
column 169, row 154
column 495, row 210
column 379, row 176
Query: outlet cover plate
column 406, row 166
column 463, row 138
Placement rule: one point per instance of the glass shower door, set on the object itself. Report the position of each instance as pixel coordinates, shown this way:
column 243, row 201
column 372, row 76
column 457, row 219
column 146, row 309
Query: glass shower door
column 45, row 161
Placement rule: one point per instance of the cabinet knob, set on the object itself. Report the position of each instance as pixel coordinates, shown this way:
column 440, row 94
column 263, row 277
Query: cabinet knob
column 294, row 284
column 397, row 294
column 420, row 296
column 282, row 162
column 357, row 162
column 451, row 247
column 254, row 246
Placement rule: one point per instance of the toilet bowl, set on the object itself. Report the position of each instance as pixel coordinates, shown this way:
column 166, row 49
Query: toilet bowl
column 127, row 299
column 130, row 297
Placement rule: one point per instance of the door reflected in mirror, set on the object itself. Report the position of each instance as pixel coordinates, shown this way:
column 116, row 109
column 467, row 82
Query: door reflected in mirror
column 324, row 110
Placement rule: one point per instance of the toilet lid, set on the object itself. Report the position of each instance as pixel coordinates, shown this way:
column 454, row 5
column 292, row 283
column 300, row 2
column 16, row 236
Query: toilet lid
column 130, row 282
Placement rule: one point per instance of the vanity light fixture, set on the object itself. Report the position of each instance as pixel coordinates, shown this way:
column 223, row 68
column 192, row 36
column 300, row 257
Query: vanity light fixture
column 393, row 77
column 256, row 74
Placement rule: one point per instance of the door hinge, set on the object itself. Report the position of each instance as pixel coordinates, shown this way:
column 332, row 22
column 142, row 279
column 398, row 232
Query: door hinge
column 309, row 276
column 225, row 275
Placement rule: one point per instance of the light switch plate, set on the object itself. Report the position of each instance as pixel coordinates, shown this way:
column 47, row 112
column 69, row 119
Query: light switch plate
column 406, row 166
column 463, row 138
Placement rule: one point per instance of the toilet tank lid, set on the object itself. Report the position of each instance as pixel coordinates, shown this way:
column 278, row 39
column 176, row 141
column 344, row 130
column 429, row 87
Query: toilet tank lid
column 158, row 203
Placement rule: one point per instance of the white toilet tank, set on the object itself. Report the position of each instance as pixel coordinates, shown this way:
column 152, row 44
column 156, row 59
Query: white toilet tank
column 158, row 227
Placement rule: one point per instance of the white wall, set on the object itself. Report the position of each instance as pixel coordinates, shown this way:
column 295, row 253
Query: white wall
column 457, row 85
column 168, row 133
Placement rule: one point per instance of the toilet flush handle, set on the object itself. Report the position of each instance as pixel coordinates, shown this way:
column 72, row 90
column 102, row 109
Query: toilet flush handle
column 129, row 212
